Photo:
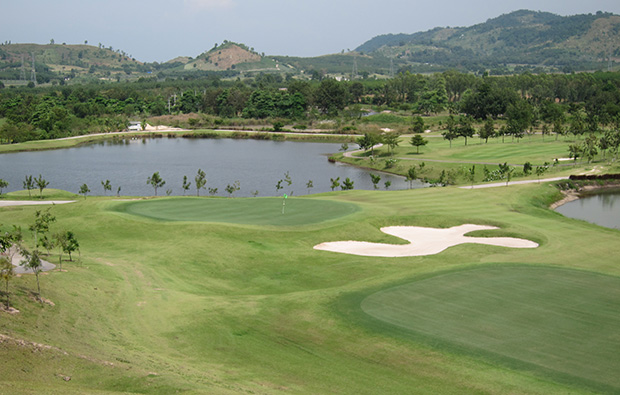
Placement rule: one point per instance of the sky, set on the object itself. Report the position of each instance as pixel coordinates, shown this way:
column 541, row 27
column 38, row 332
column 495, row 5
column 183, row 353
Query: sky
column 160, row 30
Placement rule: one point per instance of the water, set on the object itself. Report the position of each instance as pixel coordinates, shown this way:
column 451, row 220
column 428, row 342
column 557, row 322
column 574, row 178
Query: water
column 257, row 165
column 601, row 209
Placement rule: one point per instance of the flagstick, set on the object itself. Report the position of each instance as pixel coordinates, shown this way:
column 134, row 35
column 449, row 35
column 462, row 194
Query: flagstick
column 284, row 202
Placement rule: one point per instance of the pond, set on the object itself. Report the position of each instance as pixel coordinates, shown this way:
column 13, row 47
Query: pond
column 257, row 165
column 602, row 208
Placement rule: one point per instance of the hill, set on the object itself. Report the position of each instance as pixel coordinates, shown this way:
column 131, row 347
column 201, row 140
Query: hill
column 63, row 61
column 579, row 42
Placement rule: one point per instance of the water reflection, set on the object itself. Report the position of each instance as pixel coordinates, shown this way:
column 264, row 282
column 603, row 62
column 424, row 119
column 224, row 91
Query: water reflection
column 597, row 209
column 257, row 165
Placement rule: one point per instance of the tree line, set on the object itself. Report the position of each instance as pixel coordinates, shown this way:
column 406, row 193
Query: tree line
column 53, row 112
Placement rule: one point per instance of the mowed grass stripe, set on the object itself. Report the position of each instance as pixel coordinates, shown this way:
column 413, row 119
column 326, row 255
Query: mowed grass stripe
column 250, row 211
column 558, row 320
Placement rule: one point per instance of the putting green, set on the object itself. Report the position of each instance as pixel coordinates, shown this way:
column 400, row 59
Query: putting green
column 557, row 321
column 250, row 211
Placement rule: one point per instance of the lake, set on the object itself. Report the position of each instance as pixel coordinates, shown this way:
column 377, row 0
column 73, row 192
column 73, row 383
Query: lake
column 257, row 165
column 602, row 208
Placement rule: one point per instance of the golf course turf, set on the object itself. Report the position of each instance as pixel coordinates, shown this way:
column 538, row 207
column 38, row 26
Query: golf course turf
column 255, row 211
column 167, row 296
column 557, row 320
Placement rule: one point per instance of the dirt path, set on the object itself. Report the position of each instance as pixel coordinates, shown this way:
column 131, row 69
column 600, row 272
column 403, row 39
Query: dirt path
column 503, row 184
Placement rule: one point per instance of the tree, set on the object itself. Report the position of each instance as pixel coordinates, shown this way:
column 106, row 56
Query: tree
column 411, row 176
column 451, row 131
column 590, row 147
column 375, row 178
column 466, row 127
column 232, row 188
column 331, row 97
column 186, row 185
column 41, row 184
column 70, row 244
column 200, row 181
column 3, row 184
column 574, row 151
column 32, row 261
column 540, row 170
column 29, row 184
column 106, row 186
column 335, row 182
column 279, row 186
column 156, row 181
column 487, row 130
column 391, row 140
column 41, row 225
column 387, row 184
column 418, row 141
column 309, row 185
column 6, row 273
column 84, row 190
column 368, row 141
column 347, row 184
column 344, row 147
column 418, row 125
column 471, row 174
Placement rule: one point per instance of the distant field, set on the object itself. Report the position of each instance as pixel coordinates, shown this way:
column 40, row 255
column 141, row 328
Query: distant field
column 561, row 322
column 257, row 211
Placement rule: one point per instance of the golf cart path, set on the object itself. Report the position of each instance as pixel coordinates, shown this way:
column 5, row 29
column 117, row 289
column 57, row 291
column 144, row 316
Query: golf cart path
column 7, row 203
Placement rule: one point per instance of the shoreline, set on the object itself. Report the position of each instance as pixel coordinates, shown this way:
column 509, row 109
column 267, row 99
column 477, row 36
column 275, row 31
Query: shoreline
column 576, row 194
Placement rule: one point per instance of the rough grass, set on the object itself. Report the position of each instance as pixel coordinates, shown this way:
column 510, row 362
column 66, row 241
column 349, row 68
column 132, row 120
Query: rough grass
column 164, row 306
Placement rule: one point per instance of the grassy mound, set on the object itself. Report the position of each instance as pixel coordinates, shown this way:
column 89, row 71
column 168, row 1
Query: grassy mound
column 556, row 320
column 254, row 211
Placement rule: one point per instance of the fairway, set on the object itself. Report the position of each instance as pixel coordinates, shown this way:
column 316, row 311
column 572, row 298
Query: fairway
column 248, row 211
column 558, row 321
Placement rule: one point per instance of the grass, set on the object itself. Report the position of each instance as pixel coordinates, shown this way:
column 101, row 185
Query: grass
column 257, row 211
column 161, row 306
column 557, row 321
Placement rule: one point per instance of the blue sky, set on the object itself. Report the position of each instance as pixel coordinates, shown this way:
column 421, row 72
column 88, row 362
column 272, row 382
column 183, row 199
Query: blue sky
column 159, row 30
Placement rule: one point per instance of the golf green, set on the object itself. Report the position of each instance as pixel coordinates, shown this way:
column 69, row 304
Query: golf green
column 250, row 211
column 559, row 321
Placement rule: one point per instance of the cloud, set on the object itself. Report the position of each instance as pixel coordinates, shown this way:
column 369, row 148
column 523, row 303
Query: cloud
column 208, row 4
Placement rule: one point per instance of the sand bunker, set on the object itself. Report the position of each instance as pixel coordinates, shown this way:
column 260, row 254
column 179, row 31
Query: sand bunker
column 423, row 241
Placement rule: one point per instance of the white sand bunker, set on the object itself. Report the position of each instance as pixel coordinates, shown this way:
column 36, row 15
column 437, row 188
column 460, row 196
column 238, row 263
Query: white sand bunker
column 423, row 241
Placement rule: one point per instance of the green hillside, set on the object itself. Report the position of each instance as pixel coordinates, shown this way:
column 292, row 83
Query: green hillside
column 522, row 37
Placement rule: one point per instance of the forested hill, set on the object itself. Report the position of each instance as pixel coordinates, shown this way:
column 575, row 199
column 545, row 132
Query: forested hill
column 520, row 38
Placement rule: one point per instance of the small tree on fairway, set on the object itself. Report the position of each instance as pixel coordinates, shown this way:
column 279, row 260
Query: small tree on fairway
column 347, row 184
column 487, row 130
column 29, row 184
column 391, row 140
column 71, row 244
column 32, row 261
column 344, row 147
column 106, row 186
column 186, row 185
column 212, row 191
column 200, row 181
column 574, row 151
column 84, row 190
column 418, row 141
column 335, row 182
column 375, row 178
column 3, row 184
column 41, row 184
column 309, row 185
column 279, row 186
column 6, row 273
column 61, row 240
column 387, row 184
column 156, row 181
column 41, row 225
